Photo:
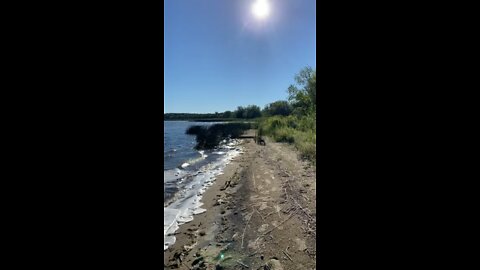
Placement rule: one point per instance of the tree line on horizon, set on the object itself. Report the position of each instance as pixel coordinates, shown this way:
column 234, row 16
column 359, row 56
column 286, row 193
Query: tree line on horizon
column 301, row 102
column 280, row 107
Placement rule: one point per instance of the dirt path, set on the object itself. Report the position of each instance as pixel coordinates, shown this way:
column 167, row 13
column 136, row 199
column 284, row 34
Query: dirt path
column 265, row 215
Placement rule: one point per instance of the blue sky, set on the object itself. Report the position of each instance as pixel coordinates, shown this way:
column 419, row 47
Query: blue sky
column 218, row 55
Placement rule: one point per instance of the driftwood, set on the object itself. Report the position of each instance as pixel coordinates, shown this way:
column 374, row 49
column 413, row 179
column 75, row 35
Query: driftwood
column 291, row 215
column 259, row 214
column 242, row 264
column 286, row 253
column 267, row 215
column 227, row 184
column 246, row 225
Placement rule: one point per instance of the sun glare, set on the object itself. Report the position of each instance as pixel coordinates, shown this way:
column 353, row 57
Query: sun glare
column 261, row 9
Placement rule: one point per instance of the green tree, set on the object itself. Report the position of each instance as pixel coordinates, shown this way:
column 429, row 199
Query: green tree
column 304, row 97
column 239, row 113
column 227, row 114
column 252, row 111
column 280, row 107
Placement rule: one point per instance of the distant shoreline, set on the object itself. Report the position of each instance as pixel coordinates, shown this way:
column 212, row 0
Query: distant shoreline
column 206, row 120
column 213, row 120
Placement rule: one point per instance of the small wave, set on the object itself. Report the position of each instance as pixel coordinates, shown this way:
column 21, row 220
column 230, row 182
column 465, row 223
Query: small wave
column 202, row 152
column 187, row 204
column 193, row 161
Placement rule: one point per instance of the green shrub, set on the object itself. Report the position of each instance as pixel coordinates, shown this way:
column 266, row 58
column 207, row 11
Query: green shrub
column 209, row 137
column 299, row 131
column 284, row 134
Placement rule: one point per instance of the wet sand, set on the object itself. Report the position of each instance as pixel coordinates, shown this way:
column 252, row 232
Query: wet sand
column 261, row 211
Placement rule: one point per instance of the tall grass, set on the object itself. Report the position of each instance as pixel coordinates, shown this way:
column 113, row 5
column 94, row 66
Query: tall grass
column 297, row 130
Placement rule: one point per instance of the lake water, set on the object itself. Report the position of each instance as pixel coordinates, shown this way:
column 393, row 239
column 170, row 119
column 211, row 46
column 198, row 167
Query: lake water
column 188, row 173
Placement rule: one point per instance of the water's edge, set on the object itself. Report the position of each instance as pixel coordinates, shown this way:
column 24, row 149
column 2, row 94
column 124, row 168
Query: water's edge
column 188, row 201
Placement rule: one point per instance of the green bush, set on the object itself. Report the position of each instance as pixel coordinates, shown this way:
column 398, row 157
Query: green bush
column 284, row 135
column 209, row 137
column 299, row 131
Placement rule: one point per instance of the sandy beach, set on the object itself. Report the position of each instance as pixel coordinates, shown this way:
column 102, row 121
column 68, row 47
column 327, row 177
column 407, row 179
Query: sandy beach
column 260, row 215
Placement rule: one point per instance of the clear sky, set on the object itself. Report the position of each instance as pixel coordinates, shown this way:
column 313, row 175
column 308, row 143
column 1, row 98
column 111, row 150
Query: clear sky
column 220, row 55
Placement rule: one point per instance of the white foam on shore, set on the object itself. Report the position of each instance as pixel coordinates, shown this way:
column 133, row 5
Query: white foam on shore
column 188, row 204
column 204, row 156
column 173, row 175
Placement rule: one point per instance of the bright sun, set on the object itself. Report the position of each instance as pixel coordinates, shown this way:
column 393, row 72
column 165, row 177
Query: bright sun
column 261, row 9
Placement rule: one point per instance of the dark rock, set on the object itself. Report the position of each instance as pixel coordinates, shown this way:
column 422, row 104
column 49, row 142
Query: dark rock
column 197, row 260
column 174, row 266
